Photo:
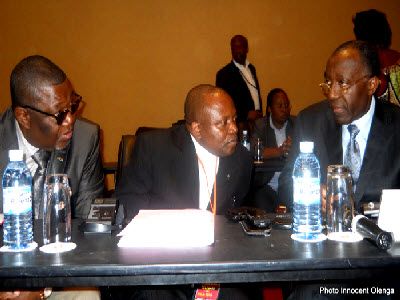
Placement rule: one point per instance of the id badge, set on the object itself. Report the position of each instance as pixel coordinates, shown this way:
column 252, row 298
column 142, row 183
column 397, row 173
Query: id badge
column 208, row 291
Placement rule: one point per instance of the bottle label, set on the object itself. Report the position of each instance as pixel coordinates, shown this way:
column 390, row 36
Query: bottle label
column 17, row 200
column 306, row 191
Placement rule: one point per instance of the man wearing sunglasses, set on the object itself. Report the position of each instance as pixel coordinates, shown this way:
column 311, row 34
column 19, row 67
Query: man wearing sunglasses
column 43, row 116
column 351, row 127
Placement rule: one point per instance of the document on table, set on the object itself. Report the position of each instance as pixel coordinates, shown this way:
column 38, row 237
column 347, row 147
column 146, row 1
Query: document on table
column 169, row 228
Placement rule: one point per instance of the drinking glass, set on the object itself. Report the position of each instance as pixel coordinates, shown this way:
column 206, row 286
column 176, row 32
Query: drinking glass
column 57, row 209
column 339, row 203
column 258, row 150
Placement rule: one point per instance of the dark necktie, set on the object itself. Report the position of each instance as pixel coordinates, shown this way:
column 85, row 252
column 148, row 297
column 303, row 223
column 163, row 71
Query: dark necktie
column 352, row 157
column 41, row 157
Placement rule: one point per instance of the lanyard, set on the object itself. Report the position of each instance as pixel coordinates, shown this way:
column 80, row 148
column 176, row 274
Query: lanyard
column 213, row 207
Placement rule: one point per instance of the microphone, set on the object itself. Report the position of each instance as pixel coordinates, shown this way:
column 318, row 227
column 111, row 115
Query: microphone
column 368, row 229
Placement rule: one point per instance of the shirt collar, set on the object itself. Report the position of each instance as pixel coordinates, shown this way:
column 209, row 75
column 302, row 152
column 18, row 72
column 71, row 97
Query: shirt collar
column 246, row 64
column 273, row 125
column 364, row 123
column 202, row 152
column 23, row 144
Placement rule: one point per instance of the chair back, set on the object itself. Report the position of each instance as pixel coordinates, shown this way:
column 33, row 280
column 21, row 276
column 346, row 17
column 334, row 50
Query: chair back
column 124, row 154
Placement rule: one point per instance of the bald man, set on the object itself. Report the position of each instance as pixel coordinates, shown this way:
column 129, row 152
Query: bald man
column 181, row 167
column 239, row 79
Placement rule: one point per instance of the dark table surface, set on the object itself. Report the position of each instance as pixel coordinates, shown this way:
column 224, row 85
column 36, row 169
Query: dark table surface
column 269, row 165
column 235, row 257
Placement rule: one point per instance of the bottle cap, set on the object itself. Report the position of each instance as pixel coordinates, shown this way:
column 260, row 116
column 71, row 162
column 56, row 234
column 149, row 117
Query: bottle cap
column 306, row 147
column 244, row 131
column 15, row 155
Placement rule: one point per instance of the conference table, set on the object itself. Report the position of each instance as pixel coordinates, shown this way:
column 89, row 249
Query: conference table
column 269, row 165
column 234, row 258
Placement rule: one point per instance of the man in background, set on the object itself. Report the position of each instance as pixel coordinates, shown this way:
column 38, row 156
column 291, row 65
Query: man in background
column 274, row 131
column 351, row 127
column 239, row 80
column 372, row 26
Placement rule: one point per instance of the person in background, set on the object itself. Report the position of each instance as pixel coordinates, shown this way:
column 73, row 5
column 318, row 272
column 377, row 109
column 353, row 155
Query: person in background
column 239, row 80
column 274, row 131
column 351, row 127
column 43, row 120
column 372, row 26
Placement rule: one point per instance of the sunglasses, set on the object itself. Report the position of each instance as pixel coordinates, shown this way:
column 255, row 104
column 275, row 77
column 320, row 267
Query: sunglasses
column 61, row 115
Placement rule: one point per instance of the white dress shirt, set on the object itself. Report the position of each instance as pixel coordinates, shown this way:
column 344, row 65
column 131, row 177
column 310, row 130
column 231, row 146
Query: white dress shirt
column 250, row 82
column 207, row 179
column 364, row 125
column 27, row 149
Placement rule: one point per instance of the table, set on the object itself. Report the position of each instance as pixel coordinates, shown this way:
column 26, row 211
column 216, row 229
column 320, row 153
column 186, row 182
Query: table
column 234, row 258
column 269, row 165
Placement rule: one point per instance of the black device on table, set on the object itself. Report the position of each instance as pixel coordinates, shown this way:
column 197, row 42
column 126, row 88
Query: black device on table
column 101, row 218
column 256, row 222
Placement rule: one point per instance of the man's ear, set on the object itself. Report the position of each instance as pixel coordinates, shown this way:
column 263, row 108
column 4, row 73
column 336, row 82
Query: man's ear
column 195, row 129
column 23, row 117
column 373, row 84
column 269, row 109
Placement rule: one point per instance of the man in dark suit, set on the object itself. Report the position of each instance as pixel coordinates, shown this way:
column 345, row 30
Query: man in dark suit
column 351, row 78
column 275, row 132
column 192, row 165
column 43, row 117
column 239, row 79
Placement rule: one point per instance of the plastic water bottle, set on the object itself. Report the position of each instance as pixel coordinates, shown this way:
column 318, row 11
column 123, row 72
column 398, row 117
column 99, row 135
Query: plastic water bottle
column 17, row 203
column 306, row 194
column 245, row 141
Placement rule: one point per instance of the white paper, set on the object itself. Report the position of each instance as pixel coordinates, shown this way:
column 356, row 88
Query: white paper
column 388, row 219
column 169, row 228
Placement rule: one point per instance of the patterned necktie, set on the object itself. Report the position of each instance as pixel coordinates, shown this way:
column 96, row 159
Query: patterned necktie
column 41, row 157
column 352, row 157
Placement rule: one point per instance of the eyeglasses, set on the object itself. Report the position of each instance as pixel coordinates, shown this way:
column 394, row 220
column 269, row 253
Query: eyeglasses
column 280, row 106
column 343, row 87
column 61, row 115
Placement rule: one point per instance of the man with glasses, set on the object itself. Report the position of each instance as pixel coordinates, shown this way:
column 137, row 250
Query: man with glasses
column 43, row 122
column 351, row 127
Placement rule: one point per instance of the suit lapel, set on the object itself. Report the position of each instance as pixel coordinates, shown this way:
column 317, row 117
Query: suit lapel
column 227, row 172
column 270, row 134
column 380, row 134
column 253, row 73
column 188, row 165
column 8, row 135
column 239, row 79
column 332, row 151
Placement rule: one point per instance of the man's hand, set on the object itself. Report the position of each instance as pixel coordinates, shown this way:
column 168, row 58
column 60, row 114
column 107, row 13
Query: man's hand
column 20, row 295
column 286, row 147
column 253, row 115
column 9, row 295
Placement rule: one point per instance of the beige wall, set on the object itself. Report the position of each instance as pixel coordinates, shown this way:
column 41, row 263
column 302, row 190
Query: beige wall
column 135, row 61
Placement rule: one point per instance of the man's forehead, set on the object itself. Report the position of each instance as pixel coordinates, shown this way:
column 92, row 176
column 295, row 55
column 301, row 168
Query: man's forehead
column 345, row 60
column 55, row 93
column 239, row 40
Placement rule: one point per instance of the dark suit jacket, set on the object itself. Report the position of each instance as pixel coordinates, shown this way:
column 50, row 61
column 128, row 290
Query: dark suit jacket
column 266, row 134
column 230, row 79
column 83, row 161
column 381, row 164
column 164, row 174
